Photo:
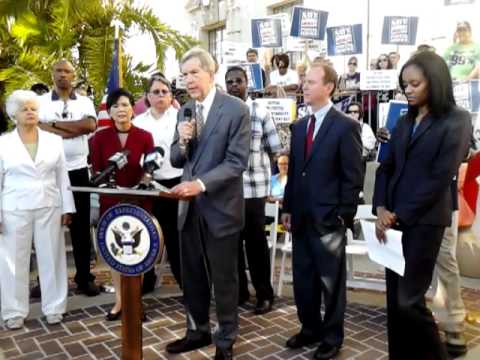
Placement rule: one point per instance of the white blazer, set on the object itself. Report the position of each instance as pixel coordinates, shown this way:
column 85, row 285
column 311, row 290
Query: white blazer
column 26, row 184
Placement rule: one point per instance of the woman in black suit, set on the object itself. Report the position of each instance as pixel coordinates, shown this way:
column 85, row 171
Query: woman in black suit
column 413, row 194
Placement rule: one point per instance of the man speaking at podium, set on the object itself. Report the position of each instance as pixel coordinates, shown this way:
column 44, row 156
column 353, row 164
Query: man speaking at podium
column 213, row 151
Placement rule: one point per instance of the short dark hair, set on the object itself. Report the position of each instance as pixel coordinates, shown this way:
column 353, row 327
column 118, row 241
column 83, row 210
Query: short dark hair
column 425, row 47
column 39, row 88
column 360, row 108
column 284, row 58
column 439, row 83
column 251, row 50
column 116, row 94
column 236, row 68
column 156, row 77
column 353, row 58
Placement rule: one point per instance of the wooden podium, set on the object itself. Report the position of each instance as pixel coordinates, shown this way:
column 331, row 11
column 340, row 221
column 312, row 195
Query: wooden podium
column 131, row 286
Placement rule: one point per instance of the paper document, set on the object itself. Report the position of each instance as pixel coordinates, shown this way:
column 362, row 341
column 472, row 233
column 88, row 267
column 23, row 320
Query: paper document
column 389, row 254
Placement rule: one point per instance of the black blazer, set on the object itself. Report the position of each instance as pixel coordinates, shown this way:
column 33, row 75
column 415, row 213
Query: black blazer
column 414, row 180
column 324, row 188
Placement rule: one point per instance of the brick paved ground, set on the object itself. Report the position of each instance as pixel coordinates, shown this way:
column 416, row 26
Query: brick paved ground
column 85, row 335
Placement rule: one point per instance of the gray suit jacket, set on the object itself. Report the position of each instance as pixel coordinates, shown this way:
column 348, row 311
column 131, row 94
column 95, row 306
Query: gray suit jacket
column 218, row 158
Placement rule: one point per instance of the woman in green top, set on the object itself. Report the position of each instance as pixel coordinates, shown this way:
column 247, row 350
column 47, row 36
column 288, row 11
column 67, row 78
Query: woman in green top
column 464, row 55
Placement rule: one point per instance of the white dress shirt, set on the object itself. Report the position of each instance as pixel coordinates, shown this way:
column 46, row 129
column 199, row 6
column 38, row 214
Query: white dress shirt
column 207, row 103
column 77, row 106
column 163, row 131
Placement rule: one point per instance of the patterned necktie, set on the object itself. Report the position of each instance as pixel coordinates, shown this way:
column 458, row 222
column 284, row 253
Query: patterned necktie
column 199, row 120
column 309, row 140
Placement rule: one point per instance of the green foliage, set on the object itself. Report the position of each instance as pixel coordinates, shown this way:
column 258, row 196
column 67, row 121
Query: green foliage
column 36, row 33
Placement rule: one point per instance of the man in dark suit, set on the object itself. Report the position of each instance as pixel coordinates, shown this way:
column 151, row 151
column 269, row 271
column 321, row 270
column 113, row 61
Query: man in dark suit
column 320, row 201
column 213, row 150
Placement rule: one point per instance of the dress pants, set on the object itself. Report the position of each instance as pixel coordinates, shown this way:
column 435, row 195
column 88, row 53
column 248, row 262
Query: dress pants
column 319, row 274
column 166, row 212
column 80, row 228
column 258, row 255
column 447, row 301
column 18, row 229
column 412, row 332
column 208, row 260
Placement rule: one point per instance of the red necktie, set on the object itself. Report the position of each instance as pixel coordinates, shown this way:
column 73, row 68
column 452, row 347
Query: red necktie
column 309, row 141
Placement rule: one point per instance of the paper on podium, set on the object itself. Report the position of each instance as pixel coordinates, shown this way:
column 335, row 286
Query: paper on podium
column 389, row 254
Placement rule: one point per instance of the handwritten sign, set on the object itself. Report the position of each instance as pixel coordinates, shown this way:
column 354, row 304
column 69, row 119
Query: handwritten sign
column 283, row 111
column 378, row 80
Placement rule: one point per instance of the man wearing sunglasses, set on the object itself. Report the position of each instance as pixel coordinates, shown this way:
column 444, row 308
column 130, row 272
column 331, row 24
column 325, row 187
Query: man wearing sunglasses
column 264, row 144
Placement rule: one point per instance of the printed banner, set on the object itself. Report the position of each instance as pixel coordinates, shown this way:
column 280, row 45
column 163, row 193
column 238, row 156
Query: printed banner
column 344, row 40
column 467, row 95
column 378, row 80
column 399, row 30
column 396, row 109
column 283, row 111
column 266, row 33
column 254, row 75
column 308, row 23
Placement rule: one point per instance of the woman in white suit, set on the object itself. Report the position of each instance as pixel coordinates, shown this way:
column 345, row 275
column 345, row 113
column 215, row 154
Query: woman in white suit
column 34, row 204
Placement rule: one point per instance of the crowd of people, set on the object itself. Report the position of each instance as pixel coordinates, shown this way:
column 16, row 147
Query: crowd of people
column 223, row 166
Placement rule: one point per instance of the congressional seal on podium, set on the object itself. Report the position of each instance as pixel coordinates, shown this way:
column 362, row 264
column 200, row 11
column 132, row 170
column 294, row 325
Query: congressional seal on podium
column 129, row 239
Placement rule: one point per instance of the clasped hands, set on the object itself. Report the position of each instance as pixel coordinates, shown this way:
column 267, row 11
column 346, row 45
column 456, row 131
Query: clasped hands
column 385, row 220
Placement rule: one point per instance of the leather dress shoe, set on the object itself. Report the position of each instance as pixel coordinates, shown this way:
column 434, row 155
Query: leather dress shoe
column 300, row 340
column 326, row 351
column 35, row 292
column 89, row 289
column 224, row 354
column 456, row 343
column 263, row 307
column 116, row 316
column 189, row 343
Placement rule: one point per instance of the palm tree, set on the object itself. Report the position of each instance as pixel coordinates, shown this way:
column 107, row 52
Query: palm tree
column 36, row 33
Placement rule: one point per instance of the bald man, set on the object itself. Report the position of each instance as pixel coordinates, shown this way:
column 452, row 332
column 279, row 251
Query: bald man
column 73, row 117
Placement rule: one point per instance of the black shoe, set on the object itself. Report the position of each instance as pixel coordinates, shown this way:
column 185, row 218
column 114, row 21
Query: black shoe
column 224, row 354
column 300, row 340
column 149, row 281
column 116, row 316
column 89, row 289
column 456, row 344
column 189, row 343
column 263, row 307
column 36, row 293
column 326, row 351
column 113, row 316
column 242, row 299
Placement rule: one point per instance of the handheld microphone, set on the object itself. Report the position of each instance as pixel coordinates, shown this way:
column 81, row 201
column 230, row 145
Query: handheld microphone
column 116, row 162
column 152, row 162
column 187, row 115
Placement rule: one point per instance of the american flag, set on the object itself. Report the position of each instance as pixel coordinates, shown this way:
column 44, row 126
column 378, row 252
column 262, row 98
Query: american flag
column 114, row 82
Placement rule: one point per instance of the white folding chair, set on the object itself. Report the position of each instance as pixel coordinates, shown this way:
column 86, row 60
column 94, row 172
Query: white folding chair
column 357, row 247
column 271, row 210
column 286, row 249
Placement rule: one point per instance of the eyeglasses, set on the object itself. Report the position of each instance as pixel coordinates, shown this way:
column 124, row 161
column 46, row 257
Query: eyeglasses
column 352, row 63
column 157, row 92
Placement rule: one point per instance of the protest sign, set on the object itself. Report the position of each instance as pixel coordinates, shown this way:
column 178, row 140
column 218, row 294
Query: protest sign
column 283, row 111
column 399, row 30
column 299, row 44
column 308, row 23
column 344, row 40
column 467, row 95
column 254, row 75
column 378, row 80
column 233, row 52
column 266, row 33
column 395, row 111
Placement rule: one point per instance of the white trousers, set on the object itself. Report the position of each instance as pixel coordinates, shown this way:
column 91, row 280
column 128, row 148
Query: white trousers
column 19, row 227
column 447, row 301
